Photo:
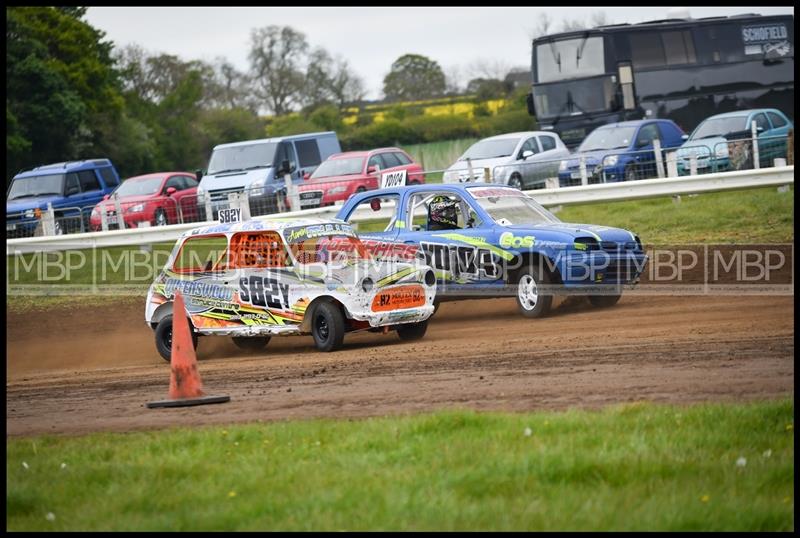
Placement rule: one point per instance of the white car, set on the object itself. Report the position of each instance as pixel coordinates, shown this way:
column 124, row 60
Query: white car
column 523, row 160
column 257, row 279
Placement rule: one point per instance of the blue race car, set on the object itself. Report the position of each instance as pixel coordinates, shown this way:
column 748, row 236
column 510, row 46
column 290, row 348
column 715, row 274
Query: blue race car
column 493, row 240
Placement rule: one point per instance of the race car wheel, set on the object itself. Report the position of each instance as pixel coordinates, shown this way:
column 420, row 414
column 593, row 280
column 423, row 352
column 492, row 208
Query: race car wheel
column 515, row 182
column 251, row 343
column 531, row 302
column 604, row 301
column 412, row 331
column 164, row 338
column 327, row 327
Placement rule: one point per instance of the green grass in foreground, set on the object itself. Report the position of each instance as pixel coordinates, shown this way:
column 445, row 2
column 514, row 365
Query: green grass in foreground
column 628, row 467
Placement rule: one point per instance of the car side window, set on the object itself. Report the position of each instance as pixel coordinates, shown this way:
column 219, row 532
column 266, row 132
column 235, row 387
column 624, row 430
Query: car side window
column 647, row 134
column 189, row 182
column 402, row 158
column 73, row 185
column 257, row 250
column 529, row 145
column 390, row 160
column 88, row 181
column 374, row 215
column 200, row 254
column 174, row 182
column 761, row 121
column 285, row 153
column 376, row 160
column 308, row 153
column 777, row 120
column 108, row 177
column 436, row 211
column 547, row 142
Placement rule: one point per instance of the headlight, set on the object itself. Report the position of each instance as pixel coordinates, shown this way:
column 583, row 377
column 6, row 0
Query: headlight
column 367, row 284
column 29, row 213
column 611, row 160
column 337, row 190
column 201, row 194
column 256, row 188
column 95, row 212
column 136, row 209
column 451, row 176
column 562, row 166
column 721, row 150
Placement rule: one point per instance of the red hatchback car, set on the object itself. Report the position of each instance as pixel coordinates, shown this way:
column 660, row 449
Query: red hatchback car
column 161, row 198
column 344, row 174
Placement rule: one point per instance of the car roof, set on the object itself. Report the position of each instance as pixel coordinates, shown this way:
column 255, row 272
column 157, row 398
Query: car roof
column 274, row 224
column 66, row 166
column 739, row 113
column 518, row 134
column 276, row 139
column 631, row 123
column 362, row 153
column 161, row 175
column 432, row 187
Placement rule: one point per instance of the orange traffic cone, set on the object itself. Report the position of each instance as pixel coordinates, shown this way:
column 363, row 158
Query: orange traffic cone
column 185, row 386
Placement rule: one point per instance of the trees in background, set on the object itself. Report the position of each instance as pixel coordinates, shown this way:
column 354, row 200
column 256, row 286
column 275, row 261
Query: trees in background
column 414, row 77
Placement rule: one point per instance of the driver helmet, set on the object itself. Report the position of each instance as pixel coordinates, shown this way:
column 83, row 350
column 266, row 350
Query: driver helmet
column 442, row 213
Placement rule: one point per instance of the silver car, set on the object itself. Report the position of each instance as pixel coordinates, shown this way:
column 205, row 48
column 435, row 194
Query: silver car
column 524, row 160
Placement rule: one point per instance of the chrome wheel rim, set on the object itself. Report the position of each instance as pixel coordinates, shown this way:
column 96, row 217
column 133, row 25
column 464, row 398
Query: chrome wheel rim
column 527, row 292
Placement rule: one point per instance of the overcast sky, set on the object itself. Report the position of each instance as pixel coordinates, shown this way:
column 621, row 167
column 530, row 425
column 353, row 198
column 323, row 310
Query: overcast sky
column 369, row 38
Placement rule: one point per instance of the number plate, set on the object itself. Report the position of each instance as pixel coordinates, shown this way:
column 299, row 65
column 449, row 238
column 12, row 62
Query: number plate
column 398, row 298
column 111, row 219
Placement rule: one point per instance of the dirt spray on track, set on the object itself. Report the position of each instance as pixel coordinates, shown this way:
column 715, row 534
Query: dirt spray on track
column 94, row 368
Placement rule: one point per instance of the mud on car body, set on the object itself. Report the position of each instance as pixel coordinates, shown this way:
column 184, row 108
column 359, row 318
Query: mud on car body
column 490, row 240
column 257, row 279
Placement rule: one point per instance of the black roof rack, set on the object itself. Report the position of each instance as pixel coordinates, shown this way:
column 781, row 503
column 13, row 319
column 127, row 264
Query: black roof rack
column 663, row 20
column 614, row 25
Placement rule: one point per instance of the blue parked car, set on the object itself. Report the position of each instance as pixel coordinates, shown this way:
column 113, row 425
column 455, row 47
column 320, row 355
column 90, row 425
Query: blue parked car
column 491, row 240
column 620, row 152
column 73, row 188
column 709, row 142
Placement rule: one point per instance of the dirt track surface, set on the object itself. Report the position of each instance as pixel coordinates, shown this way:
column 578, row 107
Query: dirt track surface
column 93, row 369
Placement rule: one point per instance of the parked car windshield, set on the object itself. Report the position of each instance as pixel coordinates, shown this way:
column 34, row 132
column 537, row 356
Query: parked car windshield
column 237, row 158
column 139, row 186
column 36, row 186
column 509, row 206
column 720, row 127
column 608, row 138
column 488, row 149
column 339, row 167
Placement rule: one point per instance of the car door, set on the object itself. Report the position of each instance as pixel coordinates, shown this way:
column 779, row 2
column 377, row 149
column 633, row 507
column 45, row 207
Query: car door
column 779, row 133
column 308, row 158
column 525, row 166
column 549, row 159
column 643, row 154
column 391, row 164
column 375, row 217
column 460, row 254
column 412, row 169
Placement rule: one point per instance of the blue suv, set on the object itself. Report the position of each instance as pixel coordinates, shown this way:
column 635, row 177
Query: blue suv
column 73, row 188
column 620, row 152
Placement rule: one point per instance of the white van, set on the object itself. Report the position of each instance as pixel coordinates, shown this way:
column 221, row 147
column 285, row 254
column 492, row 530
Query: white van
column 258, row 167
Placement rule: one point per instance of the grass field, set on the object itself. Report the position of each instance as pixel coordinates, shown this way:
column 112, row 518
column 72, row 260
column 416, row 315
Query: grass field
column 629, row 467
column 438, row 155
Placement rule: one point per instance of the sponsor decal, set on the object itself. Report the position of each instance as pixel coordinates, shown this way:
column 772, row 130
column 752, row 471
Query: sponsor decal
column 491, row 192
column 460, row 261
column 197, row 288
column 295, row 235
column 772, row 40
column 399, row 298
column 509, row 240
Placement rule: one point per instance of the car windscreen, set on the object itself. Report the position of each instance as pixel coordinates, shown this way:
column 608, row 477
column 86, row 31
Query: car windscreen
column 608, row 138
column 238, row 158
column 339, row 167
column 36, row 186
column 139, row 187
column 720, row 127
column 508, row 206
column 488, row 149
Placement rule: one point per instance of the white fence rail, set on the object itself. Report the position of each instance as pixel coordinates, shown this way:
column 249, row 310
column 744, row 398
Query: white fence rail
column 604, row 192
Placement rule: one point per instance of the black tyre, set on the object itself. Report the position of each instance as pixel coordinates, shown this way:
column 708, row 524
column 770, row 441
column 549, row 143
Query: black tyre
column 327, row 327
column 604, row 301
column 164, row 337
column 412, row 331
column 362, row 188
column 160, row 218
column 630, row 173
column 251, row 343
column 531, row 302
column 515, row 181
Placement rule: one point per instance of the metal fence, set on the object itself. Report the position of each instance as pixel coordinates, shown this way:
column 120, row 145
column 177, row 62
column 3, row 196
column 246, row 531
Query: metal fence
column 584, row 169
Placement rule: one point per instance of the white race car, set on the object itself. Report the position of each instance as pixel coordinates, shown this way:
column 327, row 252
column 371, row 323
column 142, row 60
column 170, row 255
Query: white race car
column 257, row 279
